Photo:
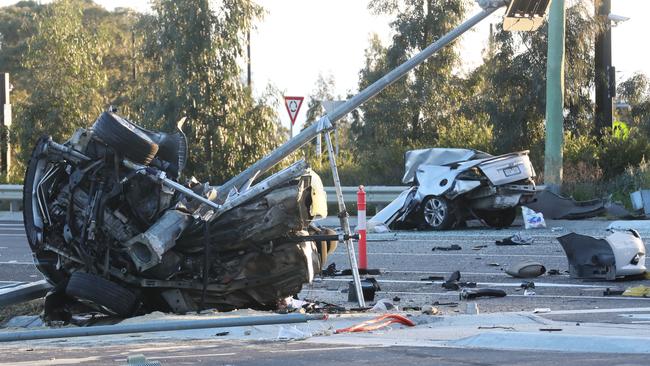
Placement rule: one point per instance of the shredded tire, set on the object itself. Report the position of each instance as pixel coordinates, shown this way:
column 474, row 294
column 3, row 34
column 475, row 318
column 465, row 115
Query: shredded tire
column 125, row 138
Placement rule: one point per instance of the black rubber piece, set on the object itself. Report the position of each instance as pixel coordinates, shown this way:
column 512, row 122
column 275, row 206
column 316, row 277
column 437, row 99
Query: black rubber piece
column 125, row 138
column 110, row 297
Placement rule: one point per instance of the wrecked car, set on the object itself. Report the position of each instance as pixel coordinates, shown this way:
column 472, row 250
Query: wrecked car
column 111, row 226
column 450, row 186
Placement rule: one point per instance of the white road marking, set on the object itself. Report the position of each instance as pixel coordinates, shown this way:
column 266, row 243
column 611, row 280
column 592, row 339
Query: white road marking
column 456, row 294
column 504, row 284
column 465, row 273
column 323, row 349
column 462, row 254
column 189, row 356
column 600, row 311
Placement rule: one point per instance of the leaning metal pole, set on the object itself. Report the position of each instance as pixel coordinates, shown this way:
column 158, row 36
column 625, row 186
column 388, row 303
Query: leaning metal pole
column 158, row 326
column 328, row 121
column 345, row 223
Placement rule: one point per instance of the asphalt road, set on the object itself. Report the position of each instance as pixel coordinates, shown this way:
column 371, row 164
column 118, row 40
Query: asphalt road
column 15, row 256
column 405, row 258
column 215, row 352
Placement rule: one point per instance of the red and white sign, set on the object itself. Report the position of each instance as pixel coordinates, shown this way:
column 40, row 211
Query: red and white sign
column 293, row 107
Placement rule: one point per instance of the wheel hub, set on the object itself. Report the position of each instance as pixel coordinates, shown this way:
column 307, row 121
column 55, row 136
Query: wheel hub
column 435, row 211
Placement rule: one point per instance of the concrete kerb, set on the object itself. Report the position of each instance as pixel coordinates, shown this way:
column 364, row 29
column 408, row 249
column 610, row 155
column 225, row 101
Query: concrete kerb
column 500, row 331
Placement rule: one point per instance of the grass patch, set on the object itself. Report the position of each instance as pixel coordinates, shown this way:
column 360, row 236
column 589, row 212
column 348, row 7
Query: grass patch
column 34, row 307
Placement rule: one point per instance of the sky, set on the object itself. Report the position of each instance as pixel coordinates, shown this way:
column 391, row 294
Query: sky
column 299, row 39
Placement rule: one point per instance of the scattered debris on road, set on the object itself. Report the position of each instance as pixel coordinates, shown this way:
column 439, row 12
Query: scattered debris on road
column 447, row 248
column 532, row 219
column 483, row 292
column 526, row 269
column 517, row 239
column 377, row 323
column 637, row 291
column 621, row 253
column 556, row 207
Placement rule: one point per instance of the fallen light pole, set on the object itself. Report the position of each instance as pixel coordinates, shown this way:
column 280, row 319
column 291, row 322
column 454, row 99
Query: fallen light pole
column 158, row 326
column 524, row 15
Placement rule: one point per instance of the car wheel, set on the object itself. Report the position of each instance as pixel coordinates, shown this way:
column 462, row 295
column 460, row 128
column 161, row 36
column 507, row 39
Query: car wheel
column 498, row 218
column 437, row 213
column 107, row 296
column 125, row 137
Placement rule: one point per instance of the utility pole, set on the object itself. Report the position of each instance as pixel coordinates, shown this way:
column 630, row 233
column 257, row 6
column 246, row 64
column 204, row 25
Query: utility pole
column 554, row 97
column 605, row 77
column 5, row 117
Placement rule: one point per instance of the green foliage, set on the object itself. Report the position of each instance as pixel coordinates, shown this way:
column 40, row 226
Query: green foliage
column 465, row 133
column 409, row 113
column 71, row 58
column 197, row 50
column 16, row 26
column 64, row 60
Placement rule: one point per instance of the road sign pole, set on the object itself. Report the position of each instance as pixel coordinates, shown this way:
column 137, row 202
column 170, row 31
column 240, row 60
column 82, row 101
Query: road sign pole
column 345, row 222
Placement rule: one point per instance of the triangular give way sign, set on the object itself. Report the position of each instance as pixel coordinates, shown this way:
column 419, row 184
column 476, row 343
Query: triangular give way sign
column 293, row 107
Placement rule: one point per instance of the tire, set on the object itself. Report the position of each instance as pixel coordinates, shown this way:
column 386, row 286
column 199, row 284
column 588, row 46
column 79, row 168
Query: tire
column 437, row 213
column 109, row 297
column 498, row 218
column 125, row 137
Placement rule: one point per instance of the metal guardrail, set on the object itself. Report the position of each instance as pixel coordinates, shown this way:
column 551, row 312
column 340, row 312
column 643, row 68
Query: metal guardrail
column 12, row 193
column 375, row 195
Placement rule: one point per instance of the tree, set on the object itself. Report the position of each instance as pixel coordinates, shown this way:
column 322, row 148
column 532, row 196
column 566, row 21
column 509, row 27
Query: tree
column 510, row 86
column 407, row 114
column 64, row 60
column 16, row 26
column 197, row 49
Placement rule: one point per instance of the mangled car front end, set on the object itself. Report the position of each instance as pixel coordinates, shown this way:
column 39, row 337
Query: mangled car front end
column 110, row 225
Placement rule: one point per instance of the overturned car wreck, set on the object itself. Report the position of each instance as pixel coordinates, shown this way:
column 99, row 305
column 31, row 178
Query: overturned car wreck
column 111, row 227
column 450, row 186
